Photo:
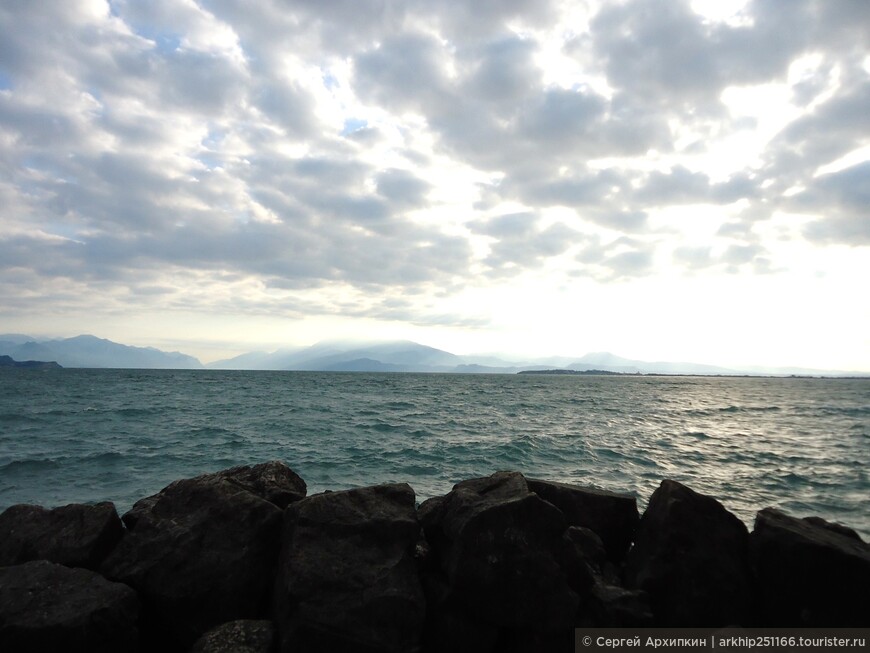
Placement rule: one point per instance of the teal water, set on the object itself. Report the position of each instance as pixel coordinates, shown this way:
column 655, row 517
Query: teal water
column 89, row 435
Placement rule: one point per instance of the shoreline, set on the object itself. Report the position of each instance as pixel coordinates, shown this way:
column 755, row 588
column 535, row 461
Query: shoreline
column 505, row 560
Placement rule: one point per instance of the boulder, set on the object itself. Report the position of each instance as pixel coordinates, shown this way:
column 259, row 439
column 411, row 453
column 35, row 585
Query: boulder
column 242, row 636
column 604, row 603
column 272, row 481
column 612, row 606
column 834, row 526
column 76, row 535
column 347, row 577
column 48, row 607
column 203, row 551
column 809, row 574
column 691, row 556
column 502, row 553
column 612, row 516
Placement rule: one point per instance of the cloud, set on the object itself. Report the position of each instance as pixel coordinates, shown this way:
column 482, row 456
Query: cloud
column 386, row 149
column 842, row 197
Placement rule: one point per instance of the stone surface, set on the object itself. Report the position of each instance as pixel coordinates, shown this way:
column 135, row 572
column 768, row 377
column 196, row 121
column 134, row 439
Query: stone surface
column 76, row 535
column 691, row 556
column 612, row 606
column 242, row 636
column 201, row 552
column 272, row 481
column 48, row 607
column 501, row 550
column 834, row 526
column 809, row 574
column 611, row 515
column 347, row 576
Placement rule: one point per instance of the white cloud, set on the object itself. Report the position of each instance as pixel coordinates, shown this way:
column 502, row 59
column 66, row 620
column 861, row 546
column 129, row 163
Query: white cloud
column 386, row 161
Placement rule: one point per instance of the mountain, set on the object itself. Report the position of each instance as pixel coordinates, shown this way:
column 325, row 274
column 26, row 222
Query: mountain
column 393, row 356
column 611, row 363
column 90, row 351
column 356, row 356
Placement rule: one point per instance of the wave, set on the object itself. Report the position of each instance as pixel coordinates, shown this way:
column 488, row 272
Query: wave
column 30, row 465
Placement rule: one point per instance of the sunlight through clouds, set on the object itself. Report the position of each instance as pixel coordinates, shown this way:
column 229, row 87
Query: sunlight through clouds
column 474, row 175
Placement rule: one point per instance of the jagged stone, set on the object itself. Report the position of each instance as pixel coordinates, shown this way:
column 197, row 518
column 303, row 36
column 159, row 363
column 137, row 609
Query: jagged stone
column 611, row 606
column 590, row 557
column 347, row 576
column 809, row 574
column 834, row 526
column 691, row 556
column 612, row 516
column 202, row 552
column 501, row 549
column 273, row 481
column 48, row 607
column 76, row 535
column 241, row 636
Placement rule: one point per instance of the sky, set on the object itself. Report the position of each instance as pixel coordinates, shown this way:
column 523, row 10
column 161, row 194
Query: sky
column 662, row 179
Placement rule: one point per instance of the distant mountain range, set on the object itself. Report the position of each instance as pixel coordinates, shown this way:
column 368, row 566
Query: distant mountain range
column 346, row 356
column 90, row 351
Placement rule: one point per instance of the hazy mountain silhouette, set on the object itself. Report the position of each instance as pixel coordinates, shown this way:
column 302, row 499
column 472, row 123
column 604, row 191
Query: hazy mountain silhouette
column 90, row 351
column 355, row 356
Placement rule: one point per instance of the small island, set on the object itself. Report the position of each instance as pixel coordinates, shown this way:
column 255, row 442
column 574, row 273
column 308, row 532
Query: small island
column 8, row 362
column 579, row 372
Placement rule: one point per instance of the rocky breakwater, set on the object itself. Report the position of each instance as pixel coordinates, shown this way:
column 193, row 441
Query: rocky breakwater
column 242, row 560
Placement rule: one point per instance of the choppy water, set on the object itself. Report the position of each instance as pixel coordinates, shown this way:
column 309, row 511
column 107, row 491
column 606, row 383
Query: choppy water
column 89, row 435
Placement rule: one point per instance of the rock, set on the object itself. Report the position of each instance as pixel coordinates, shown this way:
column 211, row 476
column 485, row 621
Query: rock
column 48, row 607
column 502, row 553
column 604, row 602
column 347, row 577
column 451, row 632
column 834, row 526
column 691, row 557
column 203, row 551
column 611, row 515
column 76, row 535
column 589, row 556
column 611, row 606
column 272, row 481
column 242, row 636
column 809, row 574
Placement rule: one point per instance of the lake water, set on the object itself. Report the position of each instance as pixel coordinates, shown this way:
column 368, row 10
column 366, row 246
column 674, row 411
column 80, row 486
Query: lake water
column 802, row 445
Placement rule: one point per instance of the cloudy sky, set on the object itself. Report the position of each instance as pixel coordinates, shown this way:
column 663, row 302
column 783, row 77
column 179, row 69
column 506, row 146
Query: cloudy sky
column 663, row 179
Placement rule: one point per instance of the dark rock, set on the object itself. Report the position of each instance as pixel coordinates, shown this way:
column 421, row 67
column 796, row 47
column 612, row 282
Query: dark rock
column 347, row 576
column 613, row 516
column 202, row 552
column 451, row 632
column 502, row 553
column 834, row 526
column 48, row 607
column 272, row 481
column 242, row 636
column 588, row 552
column 809, row 574
column 604, row 603
column 611, row 606
column 691, row 557
column 76, row 535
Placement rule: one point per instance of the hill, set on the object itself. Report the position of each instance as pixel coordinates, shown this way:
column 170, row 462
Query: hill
column 90, row 351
